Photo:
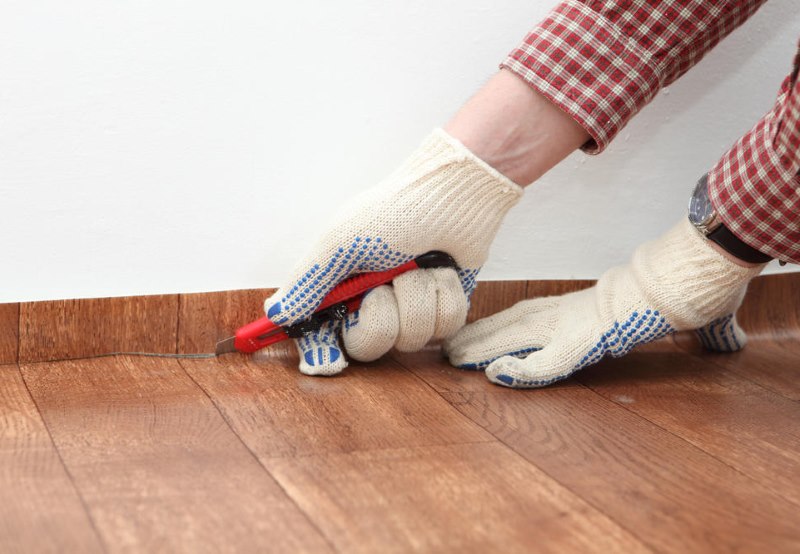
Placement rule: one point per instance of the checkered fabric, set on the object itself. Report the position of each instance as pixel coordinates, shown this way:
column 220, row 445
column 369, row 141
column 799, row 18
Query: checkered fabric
column 755, row 187
column 601, row 61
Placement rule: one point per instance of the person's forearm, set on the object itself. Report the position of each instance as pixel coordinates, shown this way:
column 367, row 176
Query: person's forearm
column 602, row 62
column 515, row 129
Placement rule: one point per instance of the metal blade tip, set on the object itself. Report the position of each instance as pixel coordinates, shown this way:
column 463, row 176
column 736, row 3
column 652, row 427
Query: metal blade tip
column 225, row 346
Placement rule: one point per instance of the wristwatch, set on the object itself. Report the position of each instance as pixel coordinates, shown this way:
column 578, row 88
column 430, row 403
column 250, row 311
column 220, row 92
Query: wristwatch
column 705, row 219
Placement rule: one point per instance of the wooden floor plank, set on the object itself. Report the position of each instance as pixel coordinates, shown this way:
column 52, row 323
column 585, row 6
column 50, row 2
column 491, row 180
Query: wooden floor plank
column 773, row 364
column 771, row 309
column 158, row 467
column 456, row 498
column 281, row 413
column 80, row 328
column 9, row 333
column 536, row 289
column 739, row 422
column 668, row 493
column 492, row 296
column 40, row 510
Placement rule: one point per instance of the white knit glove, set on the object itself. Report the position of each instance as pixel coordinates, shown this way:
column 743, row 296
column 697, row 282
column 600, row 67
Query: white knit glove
column 442, row 198
column 674, row 283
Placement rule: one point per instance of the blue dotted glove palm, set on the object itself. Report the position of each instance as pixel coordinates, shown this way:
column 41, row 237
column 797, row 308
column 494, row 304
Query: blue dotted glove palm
column 442, row 198
column 675, row 283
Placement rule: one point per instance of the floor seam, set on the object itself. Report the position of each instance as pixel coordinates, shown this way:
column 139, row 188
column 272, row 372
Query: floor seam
column 178, row 324
column 71, row 478
column 384, row 449
column 694, row 446
column 432, row 388
column 255, row 457
column 579, row 496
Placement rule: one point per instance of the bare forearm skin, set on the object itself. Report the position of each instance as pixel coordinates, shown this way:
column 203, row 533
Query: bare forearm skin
column 515, row 129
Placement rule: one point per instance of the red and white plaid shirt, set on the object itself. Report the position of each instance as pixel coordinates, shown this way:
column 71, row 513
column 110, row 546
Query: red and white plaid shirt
column 601, row 61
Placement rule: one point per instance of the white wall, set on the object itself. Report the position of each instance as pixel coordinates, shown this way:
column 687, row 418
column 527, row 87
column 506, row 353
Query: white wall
column 175, row 146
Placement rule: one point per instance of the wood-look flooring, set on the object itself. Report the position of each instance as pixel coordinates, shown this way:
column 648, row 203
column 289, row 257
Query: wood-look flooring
column 669, row 449
column 665, row 450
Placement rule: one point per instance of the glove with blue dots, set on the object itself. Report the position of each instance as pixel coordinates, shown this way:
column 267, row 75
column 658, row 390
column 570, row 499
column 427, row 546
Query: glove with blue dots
column 442, row 198
column 677, row 282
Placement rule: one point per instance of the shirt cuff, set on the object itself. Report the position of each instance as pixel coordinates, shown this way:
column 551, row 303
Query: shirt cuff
column 589, row 68
column 756, row 195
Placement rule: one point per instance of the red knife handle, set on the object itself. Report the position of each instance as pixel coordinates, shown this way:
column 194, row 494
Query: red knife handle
column 263, row 332
column 258, row 334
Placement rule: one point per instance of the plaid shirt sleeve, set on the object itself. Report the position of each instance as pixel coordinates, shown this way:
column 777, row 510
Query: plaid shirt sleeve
column 755, row 186
column 602, row 61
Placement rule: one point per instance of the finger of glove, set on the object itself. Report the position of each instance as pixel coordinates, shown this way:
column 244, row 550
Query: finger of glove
column 552, row 363
column 722, row 335
column 431, row 304
column 579, row 341
column 487, row 327
column 372, row 330
column 334, row 260
column 518, row 338
column 451, row 303
column 320, row 351
column 415, row 292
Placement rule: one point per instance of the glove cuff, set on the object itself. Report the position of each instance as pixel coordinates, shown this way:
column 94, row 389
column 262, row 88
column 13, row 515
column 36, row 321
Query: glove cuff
column 454, row 196
column 691, row 280
column 444, row 143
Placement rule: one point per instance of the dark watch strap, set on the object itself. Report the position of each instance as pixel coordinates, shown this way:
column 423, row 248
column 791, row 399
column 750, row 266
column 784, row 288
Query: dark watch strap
column 733, row 245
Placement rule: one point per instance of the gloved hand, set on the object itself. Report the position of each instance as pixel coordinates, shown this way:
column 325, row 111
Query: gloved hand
column 442, row 198
column 677, row 282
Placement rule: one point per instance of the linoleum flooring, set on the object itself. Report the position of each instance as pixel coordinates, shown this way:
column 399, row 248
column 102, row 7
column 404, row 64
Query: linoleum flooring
column 666, row 450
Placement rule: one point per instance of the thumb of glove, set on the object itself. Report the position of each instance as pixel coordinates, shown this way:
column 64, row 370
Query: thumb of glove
column 320, row 351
